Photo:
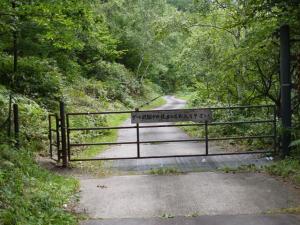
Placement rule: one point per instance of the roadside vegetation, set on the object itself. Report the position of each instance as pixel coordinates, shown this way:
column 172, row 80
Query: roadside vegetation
column 165, row 171
column 287, row 169
column 31, row 195
column 118, row 54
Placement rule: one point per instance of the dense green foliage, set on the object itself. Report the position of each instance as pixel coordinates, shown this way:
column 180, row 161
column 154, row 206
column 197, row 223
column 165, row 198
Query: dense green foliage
column 231, row 54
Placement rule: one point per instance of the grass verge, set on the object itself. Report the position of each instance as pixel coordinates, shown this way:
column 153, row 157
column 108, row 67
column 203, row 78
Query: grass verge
column 184, row 95
column 293, row 210
column 31, row 195
column 152, row 105
column 288, row 169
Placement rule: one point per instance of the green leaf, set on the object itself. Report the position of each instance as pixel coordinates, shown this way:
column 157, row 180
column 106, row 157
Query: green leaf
column 295, row 143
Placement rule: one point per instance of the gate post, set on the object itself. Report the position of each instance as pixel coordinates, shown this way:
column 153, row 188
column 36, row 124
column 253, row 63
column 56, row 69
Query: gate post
column 285, row 84
column 63, row 134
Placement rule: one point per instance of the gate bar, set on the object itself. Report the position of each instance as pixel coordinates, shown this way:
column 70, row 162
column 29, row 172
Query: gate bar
column 138, row 136
column 206, row 138
column 211, row 108
column 174, row 156
column 172, row 125
column 165, row 141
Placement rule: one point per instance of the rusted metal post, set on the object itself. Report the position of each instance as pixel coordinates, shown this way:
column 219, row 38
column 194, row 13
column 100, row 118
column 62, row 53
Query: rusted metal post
column 138, row 136
column 63, row 134
column 16, row 125
column 285, row 83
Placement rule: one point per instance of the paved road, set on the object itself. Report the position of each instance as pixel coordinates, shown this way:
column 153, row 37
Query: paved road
column 205, row 220
column 184, row 164
column 205, row 193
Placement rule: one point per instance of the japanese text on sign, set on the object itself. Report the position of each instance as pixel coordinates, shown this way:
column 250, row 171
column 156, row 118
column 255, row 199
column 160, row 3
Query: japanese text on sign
column 159, row 116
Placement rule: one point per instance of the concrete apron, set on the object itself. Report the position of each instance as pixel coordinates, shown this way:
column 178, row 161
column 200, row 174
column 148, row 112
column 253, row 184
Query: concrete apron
column 207, row 193
column 205, row 220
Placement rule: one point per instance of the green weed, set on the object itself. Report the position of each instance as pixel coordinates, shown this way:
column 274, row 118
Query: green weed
column 194, row 214
column 242, row 168
column 293, row 210
column 287, row 168
column 31, row 195
column 164, row 171
column 167, row 216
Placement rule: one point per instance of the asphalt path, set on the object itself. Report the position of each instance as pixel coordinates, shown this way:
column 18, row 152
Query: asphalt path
column 184, row 164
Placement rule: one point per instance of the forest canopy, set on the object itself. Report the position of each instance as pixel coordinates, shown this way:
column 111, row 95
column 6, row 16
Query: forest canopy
column 224, row 52
column 172, row 43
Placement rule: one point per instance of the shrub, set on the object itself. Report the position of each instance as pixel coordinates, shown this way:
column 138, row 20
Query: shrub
column 37, row 78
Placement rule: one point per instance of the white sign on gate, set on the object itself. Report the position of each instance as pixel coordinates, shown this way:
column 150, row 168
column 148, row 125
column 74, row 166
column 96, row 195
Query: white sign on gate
column 177, row 115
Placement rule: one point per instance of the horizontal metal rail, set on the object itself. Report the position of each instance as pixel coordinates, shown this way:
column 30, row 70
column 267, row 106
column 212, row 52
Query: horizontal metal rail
column 210, row 108
column 175, row 156
column 241, row 138
column 134, row 142
column 219, row 108
column 170, row 141
column 98, row 113
column 103, row 143
column 100, row 128
column 171, row 125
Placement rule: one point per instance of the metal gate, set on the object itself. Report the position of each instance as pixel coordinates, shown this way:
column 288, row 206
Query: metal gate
column 65, row 145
